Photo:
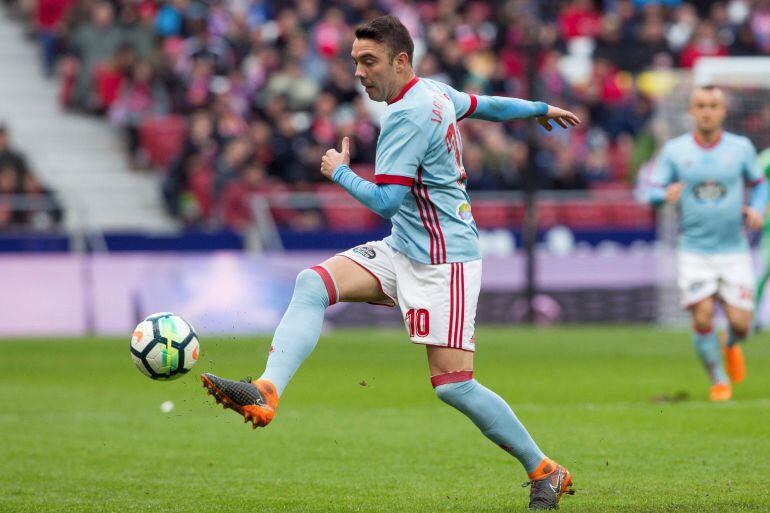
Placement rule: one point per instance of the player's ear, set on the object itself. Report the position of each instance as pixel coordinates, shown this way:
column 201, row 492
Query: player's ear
column 401, row 61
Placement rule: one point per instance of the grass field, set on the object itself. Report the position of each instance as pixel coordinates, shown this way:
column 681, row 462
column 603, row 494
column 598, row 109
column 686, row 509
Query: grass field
column 360, row 429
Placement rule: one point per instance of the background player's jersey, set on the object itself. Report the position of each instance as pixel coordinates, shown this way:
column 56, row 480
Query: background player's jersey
column 715, row 178
column 764, row 166
column 420, row 146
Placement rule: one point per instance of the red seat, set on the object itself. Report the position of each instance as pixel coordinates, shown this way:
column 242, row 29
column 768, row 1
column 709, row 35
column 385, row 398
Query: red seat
column 517, row 213
column 492, row 214
column 586, row 215
column 162, row 138
column 549, row 214
column 631, row 214
column 349, row 216
column 365, row 171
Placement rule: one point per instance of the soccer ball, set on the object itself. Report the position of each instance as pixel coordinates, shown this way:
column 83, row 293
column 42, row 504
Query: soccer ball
column 164, row 346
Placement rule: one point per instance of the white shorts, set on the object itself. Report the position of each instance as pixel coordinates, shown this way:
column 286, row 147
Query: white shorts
column 438, row 301
column 730, row 276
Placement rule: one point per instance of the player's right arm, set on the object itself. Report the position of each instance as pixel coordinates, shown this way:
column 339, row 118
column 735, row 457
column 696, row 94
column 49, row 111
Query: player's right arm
column 499, row 108
column 400, row 150
column 663, row 187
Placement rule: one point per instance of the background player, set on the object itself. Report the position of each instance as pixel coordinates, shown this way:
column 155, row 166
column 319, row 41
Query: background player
column 764, row 165
column 705, row 173
column 430, row 265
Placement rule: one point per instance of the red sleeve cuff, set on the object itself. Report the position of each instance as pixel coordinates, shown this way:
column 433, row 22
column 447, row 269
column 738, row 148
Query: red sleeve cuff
column 471, row 109
column 393, row 180
column 756, row 182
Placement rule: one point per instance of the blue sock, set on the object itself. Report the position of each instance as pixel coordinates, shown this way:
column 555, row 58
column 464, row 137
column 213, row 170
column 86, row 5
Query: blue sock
column 494, row 418
column 710, row 354
column 297, row 334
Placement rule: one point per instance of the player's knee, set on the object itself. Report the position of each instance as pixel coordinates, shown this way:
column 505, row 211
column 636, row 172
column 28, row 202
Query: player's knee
column 451, row 387
column 312, row 286
column 703, row 326
column 740, row 329
column 703, row 321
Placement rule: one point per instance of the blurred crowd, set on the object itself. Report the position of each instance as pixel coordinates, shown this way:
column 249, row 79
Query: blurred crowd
column 267, row 86
column 24, row 201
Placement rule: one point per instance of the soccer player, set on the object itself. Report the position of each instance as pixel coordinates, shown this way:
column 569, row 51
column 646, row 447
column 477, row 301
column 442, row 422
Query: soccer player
column 430, row 265
column 705, row 173
column 764, row 165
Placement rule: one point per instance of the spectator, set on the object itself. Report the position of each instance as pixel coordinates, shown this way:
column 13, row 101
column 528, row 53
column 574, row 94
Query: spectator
column 269, row 84
column 23, row 200
column 237, row 196
column 50, row 17
column 94, row 43
column 10, row 158
column 704, row 44
column 141, row 96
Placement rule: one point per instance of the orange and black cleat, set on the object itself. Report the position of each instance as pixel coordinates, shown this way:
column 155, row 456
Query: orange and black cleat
column 548, row 483
column 255, row 400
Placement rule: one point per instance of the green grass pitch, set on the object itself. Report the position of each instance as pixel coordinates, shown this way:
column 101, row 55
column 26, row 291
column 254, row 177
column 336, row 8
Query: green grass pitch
column 359, row 428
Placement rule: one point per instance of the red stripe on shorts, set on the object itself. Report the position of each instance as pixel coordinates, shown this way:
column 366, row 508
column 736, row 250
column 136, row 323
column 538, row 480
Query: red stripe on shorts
column 331, row 290
column 451, row 306
column 462, row 304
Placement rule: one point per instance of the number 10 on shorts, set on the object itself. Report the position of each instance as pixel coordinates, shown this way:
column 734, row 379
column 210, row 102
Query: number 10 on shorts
column 417, row 322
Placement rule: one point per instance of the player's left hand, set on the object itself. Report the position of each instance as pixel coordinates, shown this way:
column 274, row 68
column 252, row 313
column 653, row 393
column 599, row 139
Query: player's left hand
column 334, row 158
column 562, row 117
column 753, row 218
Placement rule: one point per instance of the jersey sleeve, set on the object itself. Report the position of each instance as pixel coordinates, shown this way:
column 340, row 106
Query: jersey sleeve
column 664, row 171
column 401, row 149
column 752, row 171
column 464, row 103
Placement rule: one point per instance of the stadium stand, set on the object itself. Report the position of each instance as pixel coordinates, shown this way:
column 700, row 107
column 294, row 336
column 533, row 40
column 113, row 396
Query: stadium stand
column 234, row 98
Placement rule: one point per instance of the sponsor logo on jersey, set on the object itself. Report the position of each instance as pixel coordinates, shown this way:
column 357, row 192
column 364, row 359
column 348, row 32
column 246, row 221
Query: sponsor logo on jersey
column 464, row 212
column 694, row 286
column 365, row 251
column 709, row 191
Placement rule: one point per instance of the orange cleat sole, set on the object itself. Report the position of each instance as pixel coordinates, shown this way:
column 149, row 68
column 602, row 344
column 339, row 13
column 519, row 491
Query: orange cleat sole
column 720, row 392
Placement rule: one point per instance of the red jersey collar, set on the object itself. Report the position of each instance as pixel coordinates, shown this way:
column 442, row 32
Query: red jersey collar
column 704, row 145
column 406, row 89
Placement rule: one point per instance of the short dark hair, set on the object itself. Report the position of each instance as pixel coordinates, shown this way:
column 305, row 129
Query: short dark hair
column 388, row 30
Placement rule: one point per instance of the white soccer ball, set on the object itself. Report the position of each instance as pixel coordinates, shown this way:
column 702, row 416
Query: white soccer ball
column 164, row 346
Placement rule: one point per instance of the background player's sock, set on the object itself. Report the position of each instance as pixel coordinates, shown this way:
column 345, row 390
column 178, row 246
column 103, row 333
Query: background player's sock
column 733, row 338
column 494, row 418
column 297, row 334
column 761, row 292
column 710, row 354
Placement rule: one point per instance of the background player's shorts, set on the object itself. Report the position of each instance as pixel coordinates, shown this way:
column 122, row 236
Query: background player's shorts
column 729, row 275
column 438, row 302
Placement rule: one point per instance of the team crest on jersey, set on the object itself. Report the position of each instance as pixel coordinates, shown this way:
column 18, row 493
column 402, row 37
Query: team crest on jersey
column 365, row 251
column 709, row 191
column 464, row 212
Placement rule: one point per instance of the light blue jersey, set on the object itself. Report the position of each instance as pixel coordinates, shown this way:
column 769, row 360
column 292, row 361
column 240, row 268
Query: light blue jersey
column 420, row 147
column 715, row 178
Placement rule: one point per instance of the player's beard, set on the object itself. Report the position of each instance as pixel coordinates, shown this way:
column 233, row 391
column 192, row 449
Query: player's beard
column 373, row 94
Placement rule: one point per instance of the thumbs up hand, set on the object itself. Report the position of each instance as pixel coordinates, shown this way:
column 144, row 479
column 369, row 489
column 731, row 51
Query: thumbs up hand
column 333, row 158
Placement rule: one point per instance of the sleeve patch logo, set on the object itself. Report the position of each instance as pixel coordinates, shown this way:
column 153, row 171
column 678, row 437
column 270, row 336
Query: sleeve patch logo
column 365, row 251
column 464, row 212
